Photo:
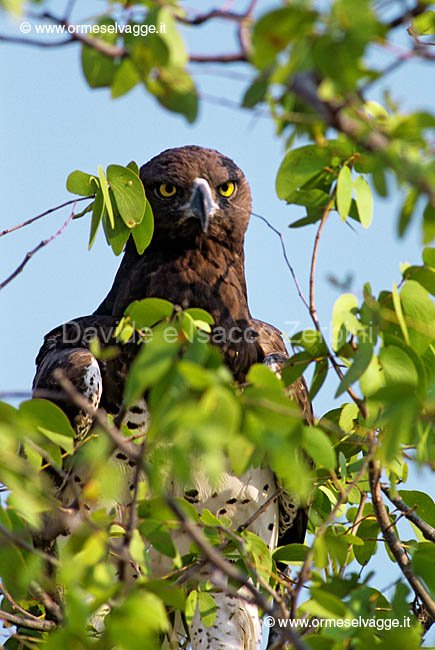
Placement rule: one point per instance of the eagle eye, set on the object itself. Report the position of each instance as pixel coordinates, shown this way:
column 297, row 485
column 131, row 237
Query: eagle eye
column 227, row 189
column 166, row 190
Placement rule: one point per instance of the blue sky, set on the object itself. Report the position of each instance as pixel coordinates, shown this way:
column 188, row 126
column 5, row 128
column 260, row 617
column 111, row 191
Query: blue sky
column 52, row 123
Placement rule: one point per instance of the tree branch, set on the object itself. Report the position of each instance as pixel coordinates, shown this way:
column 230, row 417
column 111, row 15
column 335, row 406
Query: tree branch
column 37, row 248
column 312, row 307
column 342, row 497
column 43, row 214
column 34, row 41
column 29, row 623
column 408, row 15
column 28, row 547
column 214, row 558
column 393, row 543
column 284, row 252
column 132, row 519
column 427, row 530
column 111, row 51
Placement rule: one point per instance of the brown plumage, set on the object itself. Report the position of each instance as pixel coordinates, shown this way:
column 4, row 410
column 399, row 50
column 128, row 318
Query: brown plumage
column 201, row 203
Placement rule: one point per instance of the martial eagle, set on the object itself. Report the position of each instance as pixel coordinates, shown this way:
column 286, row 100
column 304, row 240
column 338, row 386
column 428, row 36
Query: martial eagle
column 202, row 204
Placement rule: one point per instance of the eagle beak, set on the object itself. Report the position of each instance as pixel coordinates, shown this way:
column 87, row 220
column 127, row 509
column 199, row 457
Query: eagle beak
column 201, row 202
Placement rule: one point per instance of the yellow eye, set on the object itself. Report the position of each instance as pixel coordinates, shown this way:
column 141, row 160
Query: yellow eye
column 227, row 189
column 167, row 189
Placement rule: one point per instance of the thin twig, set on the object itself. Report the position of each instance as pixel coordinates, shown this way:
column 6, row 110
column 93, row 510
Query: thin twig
column 198, row 565
column 284, row 252
column 312, row 307
column 109, row 50
column 43, row 214
column 419, row 8
column 215, row 559
column 28, row 547
column 131, row 450
column 132, row 515
column 14, row 604
column 304, row 572
column 393, row 543
column 50, row 605
column 427, row 530
column 259, row 512
column 37, row 248
column 34, row 42
column 29, row 623
column 313, row 312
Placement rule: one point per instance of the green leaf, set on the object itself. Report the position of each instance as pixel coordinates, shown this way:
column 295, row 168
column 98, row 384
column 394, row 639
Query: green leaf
column 428, row 223
column 174, row 88
column 422, row 503
column 423, row 562
column 79, row 182
column 319, row 376
column 156, row 532
column 344, row 319
column 398, row 366
column 263, row 377
column 255, row 93
column 290, row 553
column 199, row 314
column 276, row 29
column 295, row 367
column 88, row 208
column 209, row 519
column 125, row 78
column 143, row 232
column 170, row 594
column 134, row 167
column 344, row 192
column 129, row 194
column 190, row 607
column 299, row 166
column 207, row 608
column 372, row 378
column 419, row 311
column 51, row 421
column 330, row 602
column 407, row 211
column 376, row 110
column 106, row 197
column 423, row 275
column 312, row 341
column 424, row 23
column 177, row 53
column 364, row 200
column 399, row 313
column 153, row 361
column 197, row 376
column 361, row 362
column 429, row 257
column 368, row 528
column 259, row 551
column 97, row 214
column 317, row 445
column 149, row 311
column 117, row 236
column 320, row 508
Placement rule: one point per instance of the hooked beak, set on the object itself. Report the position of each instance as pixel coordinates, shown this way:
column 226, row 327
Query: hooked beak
column 201, row 202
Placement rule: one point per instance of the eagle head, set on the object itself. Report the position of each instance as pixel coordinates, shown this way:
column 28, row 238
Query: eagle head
column 195, row 191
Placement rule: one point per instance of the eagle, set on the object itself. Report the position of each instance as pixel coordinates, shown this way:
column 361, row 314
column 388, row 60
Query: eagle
column 201, row 203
